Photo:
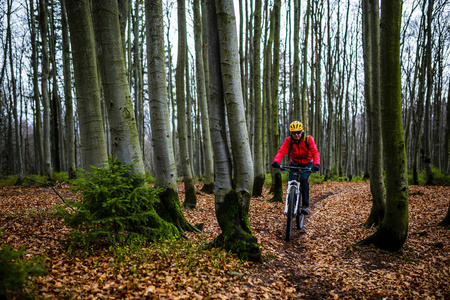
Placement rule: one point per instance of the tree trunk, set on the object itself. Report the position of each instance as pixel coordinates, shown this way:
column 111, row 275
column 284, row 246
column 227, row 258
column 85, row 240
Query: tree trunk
column 164, row 159
column 69, row 118
column 447, row 136
column 92, row 135
column 38, row 147
column 208, row 187
column 44, row 86
column 393, row 231
column 190, row 195
column 232, row 205
column 371, row 30
column 427, row 121
column 122, row 123
column 258, row 150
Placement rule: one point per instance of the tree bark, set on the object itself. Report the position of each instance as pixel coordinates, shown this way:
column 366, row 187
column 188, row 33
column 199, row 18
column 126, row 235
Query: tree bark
column 258, row 150
column 92, row 135
column 164, row 159
column 232, row 205
column 208, row 187
column 190, row 195
column 69, row 117
column 44, row 88
column 393, row 231
column 371, row 30
column 122, row 123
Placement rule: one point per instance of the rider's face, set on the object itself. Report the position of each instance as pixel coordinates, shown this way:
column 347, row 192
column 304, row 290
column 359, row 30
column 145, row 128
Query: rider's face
column 297, row 134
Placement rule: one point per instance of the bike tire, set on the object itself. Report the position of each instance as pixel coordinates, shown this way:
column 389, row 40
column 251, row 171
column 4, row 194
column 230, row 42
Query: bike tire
column 300, row 217
column 290, row 214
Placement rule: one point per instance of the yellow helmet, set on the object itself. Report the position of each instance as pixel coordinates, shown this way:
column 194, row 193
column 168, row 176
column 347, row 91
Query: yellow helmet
column 296, row 126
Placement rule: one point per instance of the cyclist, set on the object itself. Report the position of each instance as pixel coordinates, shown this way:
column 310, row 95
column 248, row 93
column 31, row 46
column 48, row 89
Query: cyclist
column 302, row 153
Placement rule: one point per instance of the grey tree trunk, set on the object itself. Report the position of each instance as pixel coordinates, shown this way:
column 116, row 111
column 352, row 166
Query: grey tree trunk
column 44, row 88
column 258, row 151
column 304, row 100
column 232, row 205
column 208, row 187
column 190, row 195
column 447, row 137
column 164, row 159
column 393, row 231
column 427, row 123
column 296, row 67
column 371, row 31
column 69, row 117
column 38, row 147
column 92, row 135
column 122, row 123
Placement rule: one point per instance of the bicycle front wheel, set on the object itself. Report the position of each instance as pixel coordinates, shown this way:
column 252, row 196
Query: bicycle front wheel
column 290, row 214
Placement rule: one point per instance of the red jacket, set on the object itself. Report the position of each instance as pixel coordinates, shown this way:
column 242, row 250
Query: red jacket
column 299, row 153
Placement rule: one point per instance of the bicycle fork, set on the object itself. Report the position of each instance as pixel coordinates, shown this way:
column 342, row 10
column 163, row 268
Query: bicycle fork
column 293, row 184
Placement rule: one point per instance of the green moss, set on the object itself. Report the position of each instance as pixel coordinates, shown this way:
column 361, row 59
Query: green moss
column 169, row 208
column 236, row 236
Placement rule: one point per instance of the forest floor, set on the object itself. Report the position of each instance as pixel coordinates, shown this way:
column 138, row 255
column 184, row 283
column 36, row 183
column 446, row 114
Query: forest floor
column 320, row 261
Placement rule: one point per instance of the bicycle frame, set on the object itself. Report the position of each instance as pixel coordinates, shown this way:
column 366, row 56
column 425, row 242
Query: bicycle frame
column 293, row 209
column 296, row 185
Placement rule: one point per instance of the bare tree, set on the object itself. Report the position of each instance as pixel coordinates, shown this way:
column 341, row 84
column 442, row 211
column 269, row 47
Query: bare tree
column 232, row 204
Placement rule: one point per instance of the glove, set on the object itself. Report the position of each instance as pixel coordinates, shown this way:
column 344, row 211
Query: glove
column 275, row 165
column 316, row 168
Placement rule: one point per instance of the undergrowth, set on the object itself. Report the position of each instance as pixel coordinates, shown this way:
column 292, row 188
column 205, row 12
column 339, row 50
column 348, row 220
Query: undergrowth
column 116, row 208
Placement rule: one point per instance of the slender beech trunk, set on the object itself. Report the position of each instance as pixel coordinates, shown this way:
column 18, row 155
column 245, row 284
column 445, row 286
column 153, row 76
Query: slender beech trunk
column 165, row 168
column 208, row 187
column 429, row 77
column 92, row 135
column 69, row 117
column 371, row 13
column 38, row 146
column 122, row 123
column 258, row 150
column 190, row 195
column 232, row 204
column 43, row 17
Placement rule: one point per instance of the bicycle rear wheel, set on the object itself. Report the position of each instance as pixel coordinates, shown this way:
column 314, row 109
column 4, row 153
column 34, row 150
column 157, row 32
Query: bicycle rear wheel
column 290, row 214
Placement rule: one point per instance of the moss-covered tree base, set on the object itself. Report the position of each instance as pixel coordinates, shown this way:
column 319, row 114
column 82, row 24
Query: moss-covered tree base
column 385, row 239
column 375, row 217
column 258, row 185
column 277, row 188
column 170, row 210
column 236, row 235
column 208, row 188
column 190, row 201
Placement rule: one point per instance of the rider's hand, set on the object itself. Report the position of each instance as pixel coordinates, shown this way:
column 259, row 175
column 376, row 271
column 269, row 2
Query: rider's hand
column 316, row 168
column 275, row 165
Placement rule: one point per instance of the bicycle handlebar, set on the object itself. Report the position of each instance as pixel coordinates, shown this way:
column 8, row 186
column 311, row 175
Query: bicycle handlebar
column 298, row 169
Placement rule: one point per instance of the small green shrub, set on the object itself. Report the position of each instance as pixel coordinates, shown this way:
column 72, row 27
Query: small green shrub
column 116, row 208
column 8, row 180
column 14, row 271
column 438, row 177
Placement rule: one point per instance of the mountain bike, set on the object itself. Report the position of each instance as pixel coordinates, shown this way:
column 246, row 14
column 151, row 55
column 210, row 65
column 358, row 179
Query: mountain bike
column 293, row 205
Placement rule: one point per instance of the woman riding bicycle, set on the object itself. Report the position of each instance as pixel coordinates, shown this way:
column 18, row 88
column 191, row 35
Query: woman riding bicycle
column 303, row 153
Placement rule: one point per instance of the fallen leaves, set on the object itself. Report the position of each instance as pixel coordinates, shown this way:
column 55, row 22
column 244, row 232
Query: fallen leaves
column 320, row 261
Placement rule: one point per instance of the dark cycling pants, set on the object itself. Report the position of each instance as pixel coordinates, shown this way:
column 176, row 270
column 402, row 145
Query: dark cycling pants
column 303, row 183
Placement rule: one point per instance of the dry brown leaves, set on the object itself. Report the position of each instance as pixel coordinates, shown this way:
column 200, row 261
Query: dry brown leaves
column 319, row 262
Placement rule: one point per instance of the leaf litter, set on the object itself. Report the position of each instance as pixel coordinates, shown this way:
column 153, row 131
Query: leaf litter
column 320, row 261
